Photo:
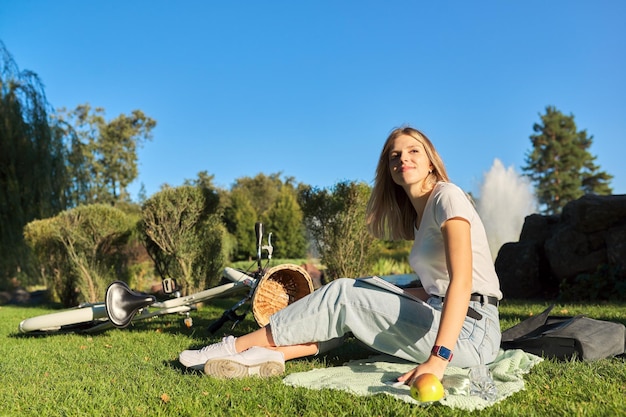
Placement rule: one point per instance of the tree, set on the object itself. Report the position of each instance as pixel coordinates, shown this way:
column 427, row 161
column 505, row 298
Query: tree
column 285, row 220
column 239, row 218
column 262, row 190
column 33, row 176
column 204, row 181
column 336, row 220
column 102, row 155
column 260, row 199
column 183, row 232
column 560, row 164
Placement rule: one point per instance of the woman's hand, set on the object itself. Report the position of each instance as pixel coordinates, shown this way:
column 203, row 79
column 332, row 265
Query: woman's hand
column 433, row 365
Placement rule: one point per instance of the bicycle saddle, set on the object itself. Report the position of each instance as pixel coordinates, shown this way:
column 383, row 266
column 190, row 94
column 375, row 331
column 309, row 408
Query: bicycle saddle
column 122, row 303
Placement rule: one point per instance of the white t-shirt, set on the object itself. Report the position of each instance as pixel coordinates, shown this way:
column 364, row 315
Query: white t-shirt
column 428, row 258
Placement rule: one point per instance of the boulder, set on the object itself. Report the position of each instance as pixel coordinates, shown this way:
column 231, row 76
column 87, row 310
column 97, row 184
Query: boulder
column 553, row 250
column 519, row 263
column 615, row 239
column 594, row 213
column 571, row 253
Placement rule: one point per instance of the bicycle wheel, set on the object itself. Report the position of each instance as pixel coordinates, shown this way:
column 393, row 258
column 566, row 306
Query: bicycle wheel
column 88, row 318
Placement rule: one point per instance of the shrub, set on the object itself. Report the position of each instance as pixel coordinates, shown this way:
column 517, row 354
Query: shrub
column 81, row 251
column 183, row 235
column 336, row 220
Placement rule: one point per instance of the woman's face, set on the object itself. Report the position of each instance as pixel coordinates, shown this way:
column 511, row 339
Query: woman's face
column 408, row 163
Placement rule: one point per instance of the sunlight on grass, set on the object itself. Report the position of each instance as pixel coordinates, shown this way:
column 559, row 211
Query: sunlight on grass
column 135, row 371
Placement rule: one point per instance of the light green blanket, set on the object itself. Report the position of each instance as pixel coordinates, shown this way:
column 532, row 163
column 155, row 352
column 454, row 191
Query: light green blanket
column 373, row 375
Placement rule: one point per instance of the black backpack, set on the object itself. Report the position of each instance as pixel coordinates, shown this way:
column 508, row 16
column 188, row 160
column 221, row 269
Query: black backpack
column 565, row 338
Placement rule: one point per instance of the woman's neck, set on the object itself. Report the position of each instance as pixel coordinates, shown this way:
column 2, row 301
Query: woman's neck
column 419, row 199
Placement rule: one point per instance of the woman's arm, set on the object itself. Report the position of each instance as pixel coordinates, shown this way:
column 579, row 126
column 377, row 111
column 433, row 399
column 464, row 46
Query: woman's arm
column 458, row 247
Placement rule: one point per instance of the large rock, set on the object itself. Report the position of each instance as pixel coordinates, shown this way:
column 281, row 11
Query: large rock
column 554, row 250
column 594, row 213
column 538, row 228
column 572, row 253
column 616, row 248
column 520, row 263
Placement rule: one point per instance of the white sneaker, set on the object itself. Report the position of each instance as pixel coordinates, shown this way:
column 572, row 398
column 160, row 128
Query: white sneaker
column 197, row 358
column 254, row 361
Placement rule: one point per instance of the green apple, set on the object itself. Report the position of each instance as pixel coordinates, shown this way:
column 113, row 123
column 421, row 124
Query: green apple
column 427, row 388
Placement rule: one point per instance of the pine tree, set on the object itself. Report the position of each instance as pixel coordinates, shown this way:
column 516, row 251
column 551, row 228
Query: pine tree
column 560, row 164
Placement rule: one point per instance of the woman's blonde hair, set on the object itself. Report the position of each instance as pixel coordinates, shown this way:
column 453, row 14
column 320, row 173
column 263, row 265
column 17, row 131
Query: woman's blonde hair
column 390, row 214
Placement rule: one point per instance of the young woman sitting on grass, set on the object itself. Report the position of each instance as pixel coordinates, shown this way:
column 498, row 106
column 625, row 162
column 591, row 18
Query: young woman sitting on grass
column 457, row 322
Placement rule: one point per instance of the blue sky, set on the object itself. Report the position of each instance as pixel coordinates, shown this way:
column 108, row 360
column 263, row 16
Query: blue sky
column 312, row 88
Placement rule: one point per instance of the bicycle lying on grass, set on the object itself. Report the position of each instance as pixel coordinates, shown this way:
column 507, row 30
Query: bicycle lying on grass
column 269, row 290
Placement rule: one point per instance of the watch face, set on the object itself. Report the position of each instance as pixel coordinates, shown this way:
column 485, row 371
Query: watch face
column 444, row 352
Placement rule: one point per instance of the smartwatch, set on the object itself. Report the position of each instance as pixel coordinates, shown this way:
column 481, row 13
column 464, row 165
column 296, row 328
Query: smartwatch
column 442, row 352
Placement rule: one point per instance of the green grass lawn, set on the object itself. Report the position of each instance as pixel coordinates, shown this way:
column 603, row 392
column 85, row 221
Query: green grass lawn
column 135, row 372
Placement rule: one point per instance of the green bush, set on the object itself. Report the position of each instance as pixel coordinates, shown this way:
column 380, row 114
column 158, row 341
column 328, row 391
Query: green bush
column 183, row 234
column 81, row 251
column 336, row 220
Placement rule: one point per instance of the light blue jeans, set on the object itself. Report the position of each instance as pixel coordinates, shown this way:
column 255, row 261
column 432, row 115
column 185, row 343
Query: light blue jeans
column 384, row 321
